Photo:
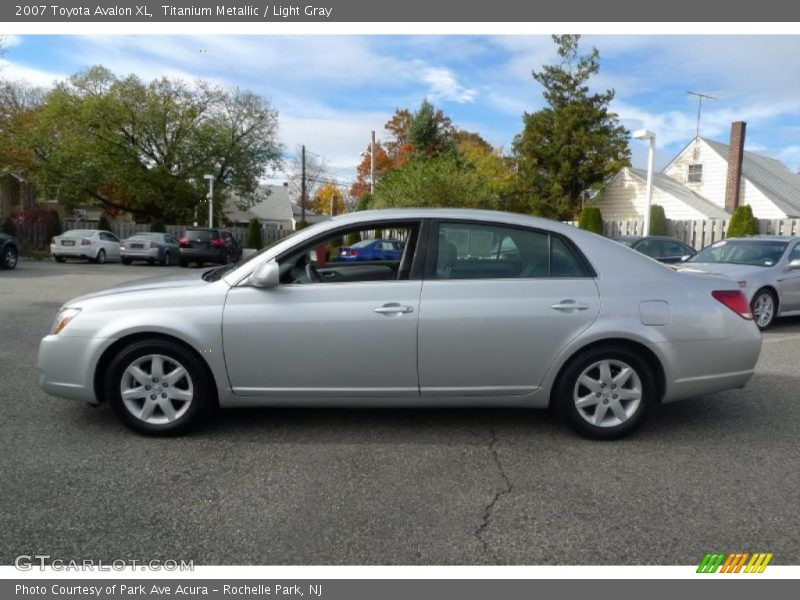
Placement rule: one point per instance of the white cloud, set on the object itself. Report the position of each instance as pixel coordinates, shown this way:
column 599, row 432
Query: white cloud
column 38, row 77
column 445, row 87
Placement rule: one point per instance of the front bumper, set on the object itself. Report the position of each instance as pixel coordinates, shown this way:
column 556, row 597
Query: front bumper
column 67, row 364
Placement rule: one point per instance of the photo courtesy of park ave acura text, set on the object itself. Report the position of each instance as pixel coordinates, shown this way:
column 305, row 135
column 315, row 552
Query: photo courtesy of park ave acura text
column 407, row 299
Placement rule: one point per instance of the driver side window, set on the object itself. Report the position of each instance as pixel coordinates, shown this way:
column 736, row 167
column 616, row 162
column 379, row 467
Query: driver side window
column 354, row 255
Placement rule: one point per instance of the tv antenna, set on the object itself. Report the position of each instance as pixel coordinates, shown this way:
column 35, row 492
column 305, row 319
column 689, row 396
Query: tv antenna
column 700, row 97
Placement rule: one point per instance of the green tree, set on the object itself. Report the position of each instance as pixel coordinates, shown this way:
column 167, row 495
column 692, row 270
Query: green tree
column 158, row 227
column 442, row 180
column 253, row 239
column 742, row 223
column 142, row 147
column 574, row 143
column 658, row 221
column 430, row 132
column 591, row 219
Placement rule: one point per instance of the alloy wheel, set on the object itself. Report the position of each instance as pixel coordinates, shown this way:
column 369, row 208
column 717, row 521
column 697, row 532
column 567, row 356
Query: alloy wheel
column 10, row 258
column 156, row 389
column 608, row 393
column 764, row 309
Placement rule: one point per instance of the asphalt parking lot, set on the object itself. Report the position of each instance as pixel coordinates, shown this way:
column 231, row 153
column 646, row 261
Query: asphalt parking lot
column 310, row 486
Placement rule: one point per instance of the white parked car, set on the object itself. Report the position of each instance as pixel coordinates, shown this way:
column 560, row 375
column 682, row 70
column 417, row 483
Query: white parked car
column 92, row 244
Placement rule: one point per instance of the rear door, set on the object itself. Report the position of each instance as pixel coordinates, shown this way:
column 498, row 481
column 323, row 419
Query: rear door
column 498, row 304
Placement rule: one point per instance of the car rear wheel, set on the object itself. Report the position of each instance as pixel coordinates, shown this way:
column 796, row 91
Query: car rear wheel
column 158, row 387
column 10, row 257
column 605, row 393
column 167, row 260
column 764, row 306
column 101, row 257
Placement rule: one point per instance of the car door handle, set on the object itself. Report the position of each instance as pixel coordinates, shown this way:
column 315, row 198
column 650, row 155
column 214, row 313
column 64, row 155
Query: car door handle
column 569, row 305
column 393, row 309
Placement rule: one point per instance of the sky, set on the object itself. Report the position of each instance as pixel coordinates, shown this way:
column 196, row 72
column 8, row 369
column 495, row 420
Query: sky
column 331, row 91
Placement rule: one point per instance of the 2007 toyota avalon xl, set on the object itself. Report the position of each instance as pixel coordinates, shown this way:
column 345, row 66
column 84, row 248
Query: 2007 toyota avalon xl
column 482, row 308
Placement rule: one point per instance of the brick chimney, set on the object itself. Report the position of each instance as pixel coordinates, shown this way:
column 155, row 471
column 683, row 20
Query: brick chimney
column 733, row 182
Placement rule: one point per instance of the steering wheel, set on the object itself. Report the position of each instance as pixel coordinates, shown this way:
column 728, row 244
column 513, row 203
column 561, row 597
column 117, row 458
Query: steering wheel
column 312, row 274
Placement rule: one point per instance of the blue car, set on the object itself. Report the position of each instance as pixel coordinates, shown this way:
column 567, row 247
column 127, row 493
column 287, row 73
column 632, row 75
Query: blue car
column 371, row 250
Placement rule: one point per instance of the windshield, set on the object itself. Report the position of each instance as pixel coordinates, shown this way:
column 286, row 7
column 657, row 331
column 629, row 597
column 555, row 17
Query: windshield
column 742, row 252
column 218, row 273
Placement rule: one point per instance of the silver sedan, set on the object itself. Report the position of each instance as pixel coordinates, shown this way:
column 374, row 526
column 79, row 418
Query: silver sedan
column 767, row 269
column 161, row 248
column 482, row 308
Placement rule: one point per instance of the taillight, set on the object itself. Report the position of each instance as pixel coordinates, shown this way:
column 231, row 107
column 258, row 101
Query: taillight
column 353, row 252
column 217, row 243
column 154, row 244
column 736, row 301
column 183, row 242
column 85, row 242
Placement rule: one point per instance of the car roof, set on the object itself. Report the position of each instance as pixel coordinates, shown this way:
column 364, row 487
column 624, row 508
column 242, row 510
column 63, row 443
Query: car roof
column 763, row 238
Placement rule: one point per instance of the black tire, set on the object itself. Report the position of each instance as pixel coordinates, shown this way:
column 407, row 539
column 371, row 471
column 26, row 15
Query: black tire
column 10, row 257
column 224, row 258
column 183, row 262
column 100, row 259
column 577, row 419
column 166, row 261
column 204, row 394
column 769, row 296
column 59, row 259
column 126, row 261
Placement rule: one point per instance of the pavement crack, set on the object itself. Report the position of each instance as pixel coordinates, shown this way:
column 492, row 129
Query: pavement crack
column 488, row 510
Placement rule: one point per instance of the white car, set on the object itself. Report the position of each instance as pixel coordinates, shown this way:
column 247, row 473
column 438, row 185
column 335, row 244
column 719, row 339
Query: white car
column 92, row 244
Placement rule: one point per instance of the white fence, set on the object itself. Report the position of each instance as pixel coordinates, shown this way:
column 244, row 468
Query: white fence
column 700, row 233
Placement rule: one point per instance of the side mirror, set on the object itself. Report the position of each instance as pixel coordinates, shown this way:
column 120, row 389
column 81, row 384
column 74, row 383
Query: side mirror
column 794, row 264
column 266, row 276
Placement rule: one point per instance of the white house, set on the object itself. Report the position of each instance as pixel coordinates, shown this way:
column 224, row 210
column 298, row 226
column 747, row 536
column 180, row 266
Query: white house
column 707, row 180
column 273, row 208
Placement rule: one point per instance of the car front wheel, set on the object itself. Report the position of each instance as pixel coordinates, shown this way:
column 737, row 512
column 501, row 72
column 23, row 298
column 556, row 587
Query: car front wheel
column 158, row 387
column 605, row 393
column 764, row 307
column 10, row 257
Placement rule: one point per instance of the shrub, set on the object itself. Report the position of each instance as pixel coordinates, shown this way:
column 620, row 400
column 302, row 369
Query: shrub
column 353, row 238
column 253, row 239
column 158, row 227
column 658, row 220
column 591, row 219
column 102, row 223
column 742, row 223
column 301, row 225
column 10, row 226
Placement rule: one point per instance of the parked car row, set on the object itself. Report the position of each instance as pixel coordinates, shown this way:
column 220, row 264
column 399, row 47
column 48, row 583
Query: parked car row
column 197, row 245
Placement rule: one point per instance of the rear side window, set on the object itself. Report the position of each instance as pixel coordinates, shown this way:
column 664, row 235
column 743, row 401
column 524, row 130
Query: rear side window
column 477, row 251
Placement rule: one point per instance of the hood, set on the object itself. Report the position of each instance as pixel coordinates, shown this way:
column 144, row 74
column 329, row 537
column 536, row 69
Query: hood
column 728, row 269
column 179, row 280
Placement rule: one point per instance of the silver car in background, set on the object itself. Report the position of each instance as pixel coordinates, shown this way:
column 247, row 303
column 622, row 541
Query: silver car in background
column 481, row 309
column 767, row 269
column 161, row 248
column 94, row 245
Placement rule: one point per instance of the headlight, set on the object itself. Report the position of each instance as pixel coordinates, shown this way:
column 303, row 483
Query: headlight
column 63, row 319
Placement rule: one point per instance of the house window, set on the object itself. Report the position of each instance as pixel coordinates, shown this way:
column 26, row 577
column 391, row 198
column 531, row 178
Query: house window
column 695, row 174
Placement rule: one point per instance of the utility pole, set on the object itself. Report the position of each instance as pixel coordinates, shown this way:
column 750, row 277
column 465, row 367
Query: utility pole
column 303, row 187
column 372, row 164
column 210, row 179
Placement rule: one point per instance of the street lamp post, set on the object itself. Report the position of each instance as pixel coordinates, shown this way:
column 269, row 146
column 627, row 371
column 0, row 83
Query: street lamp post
column 644, row 134
column 210, row 179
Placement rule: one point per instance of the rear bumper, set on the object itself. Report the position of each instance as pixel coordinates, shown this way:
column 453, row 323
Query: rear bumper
column 201, row 254
column 140, row 254
column 73, row 251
